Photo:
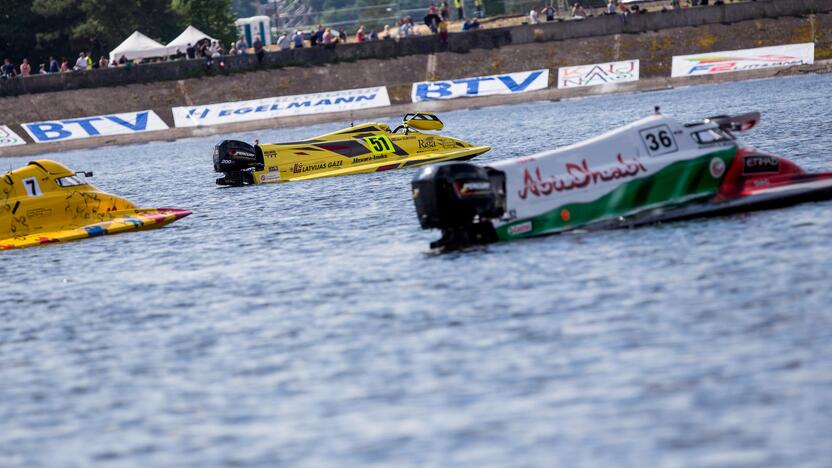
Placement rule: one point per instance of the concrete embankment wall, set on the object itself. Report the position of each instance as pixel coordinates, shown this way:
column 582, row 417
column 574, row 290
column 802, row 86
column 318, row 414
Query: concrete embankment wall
column 543, row 49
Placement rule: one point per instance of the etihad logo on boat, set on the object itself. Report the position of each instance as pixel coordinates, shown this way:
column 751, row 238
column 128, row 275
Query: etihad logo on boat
column 577, row 176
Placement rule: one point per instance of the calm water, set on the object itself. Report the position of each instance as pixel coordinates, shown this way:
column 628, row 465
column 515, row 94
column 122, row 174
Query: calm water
column 308, row 324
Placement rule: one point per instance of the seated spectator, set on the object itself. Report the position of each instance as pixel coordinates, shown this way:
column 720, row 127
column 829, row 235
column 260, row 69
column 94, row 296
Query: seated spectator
column 342, row 36
column 242, row 45
column 190, row 51
column 103, row 62
column 405, row 27
column 326, row 39
column 373, row 35
column 25, row 68
column 360, row 35
column 7, row 70
column 578, row 11
column 297, row 39
column 233, row 50
column 533, row 16
column 475, row 24
column 123, row 60
column 466, row 25
column 386, row 33
column 64, row 65
column 81, row 63
column 42, row 69
column 54, row 67
column 283, row 41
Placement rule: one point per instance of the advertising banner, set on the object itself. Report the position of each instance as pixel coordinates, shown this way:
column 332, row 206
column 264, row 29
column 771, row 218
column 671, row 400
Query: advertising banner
column 9, row 138
column 598, row 74
column 509, row 83
column 100, row 125
column 281, row 106
column 742, row 60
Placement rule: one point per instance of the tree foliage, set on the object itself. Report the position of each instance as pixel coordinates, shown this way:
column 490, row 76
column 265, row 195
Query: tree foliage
column 37, row 29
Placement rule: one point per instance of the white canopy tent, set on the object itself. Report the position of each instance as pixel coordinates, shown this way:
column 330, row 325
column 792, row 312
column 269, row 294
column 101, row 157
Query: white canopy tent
column 190, row 35
column 138, row 46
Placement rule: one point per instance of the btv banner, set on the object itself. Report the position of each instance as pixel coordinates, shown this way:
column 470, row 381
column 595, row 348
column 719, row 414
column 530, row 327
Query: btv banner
column 100, row 125
column 281, row 106
column 509, row 83
column 598, row 74
column 741, row 60
column 9, row 137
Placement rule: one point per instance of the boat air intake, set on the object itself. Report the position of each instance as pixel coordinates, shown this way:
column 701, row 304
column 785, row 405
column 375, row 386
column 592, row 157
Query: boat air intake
column 237, row 160
column 459, row 199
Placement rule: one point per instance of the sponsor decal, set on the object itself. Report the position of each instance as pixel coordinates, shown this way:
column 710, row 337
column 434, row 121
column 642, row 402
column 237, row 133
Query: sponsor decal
column 300, row 168
column 742, row 60
column 9, row 137
column 362, row 159
column 280, row 106
column 509, row 83
column 100, row 125
column 521, row 228
column 428, row 143
column 579, row 176
column 717, row 168
column 271, row 177
column 598, row 74
column 760, row 165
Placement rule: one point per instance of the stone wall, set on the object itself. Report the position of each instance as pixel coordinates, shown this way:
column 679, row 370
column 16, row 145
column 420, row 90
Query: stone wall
column 486, row 39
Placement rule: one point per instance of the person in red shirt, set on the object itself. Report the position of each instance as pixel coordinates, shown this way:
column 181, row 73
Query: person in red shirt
column 361, row 35
column 25, row 68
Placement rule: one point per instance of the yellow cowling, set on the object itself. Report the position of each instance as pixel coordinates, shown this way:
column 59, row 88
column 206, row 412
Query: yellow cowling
column 47, row 196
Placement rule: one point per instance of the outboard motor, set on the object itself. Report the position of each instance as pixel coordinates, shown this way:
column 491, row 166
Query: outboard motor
column 459, row 199
column 237, row 160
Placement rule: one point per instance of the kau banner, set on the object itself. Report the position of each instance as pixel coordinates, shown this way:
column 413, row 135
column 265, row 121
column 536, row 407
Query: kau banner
column 100, row 125
column 598, row 74
column 9, row 138
column 741, row 60
column 509, row 83
column 282, row 106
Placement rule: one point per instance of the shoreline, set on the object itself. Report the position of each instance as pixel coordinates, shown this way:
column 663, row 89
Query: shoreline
column 548, row 94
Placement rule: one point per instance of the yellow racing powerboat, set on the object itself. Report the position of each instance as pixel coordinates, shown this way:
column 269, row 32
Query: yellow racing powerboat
column 359, row 149
column 44, row 202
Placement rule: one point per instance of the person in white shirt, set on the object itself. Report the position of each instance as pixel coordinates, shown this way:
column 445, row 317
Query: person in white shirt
column 81, row 63
column 533, row 16
column 283, row 42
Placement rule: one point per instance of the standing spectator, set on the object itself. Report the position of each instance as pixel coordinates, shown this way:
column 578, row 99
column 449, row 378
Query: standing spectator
column 466, row 26
column 432, row 19
column 478, row 8
column 533, row 16
column 103, row 62
column 53, row 65
column 317, row 37
column 475, row 24
column 283, row 41
column 578, row 10
column 326, row 39
column 676, row 4
column 406, row 28
column 25, row 68
column 88, row 59
column 386, row 34
column 242, row 45
column 297, row 38
column 7, row 70
column 360, row 35
column 81, row 63
column 64, row 65
column 233, row 50
column 459, row 13
column 550, row 12
column 443, row 32
column 258, row 49
column 444, row 11
column 190, row 52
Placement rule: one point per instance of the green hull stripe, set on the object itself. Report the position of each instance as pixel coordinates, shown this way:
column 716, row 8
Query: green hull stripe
column 680, row 181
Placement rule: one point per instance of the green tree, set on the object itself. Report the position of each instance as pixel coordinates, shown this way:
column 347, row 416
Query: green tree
column 17, row 21
column 213, row 17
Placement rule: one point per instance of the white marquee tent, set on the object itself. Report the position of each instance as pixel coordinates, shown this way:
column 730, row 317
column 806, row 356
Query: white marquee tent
column 190, row 35
column 138, row 46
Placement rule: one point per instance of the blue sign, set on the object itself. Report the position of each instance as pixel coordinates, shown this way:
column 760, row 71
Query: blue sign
column 86, row 127
column 509, row 83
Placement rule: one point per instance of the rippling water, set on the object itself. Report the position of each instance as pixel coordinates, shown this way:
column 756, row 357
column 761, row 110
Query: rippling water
column 308, row 323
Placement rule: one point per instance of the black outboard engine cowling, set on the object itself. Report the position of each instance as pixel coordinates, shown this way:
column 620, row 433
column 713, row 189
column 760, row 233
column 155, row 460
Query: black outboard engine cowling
column 237, row 160
column 459, row 199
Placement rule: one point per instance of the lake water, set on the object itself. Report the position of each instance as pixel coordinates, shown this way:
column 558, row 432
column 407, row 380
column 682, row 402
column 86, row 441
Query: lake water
column 308, row 324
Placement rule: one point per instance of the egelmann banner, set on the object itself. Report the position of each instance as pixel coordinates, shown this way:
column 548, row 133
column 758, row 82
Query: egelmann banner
column 10, row 138
column 742, row 60
column 282, row 106
column 598, row 74
column 100, row 125
column 508, row 83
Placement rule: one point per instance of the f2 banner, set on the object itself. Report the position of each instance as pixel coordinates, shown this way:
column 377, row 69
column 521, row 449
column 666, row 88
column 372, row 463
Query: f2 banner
column 509, row 83
column 742, row 60
column 598, row 74
column 100, row 125
column 9, row 137
column 282, row 106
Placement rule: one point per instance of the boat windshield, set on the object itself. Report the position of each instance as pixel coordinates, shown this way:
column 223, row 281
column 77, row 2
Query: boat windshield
column 69, row 181
column 711, row 135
